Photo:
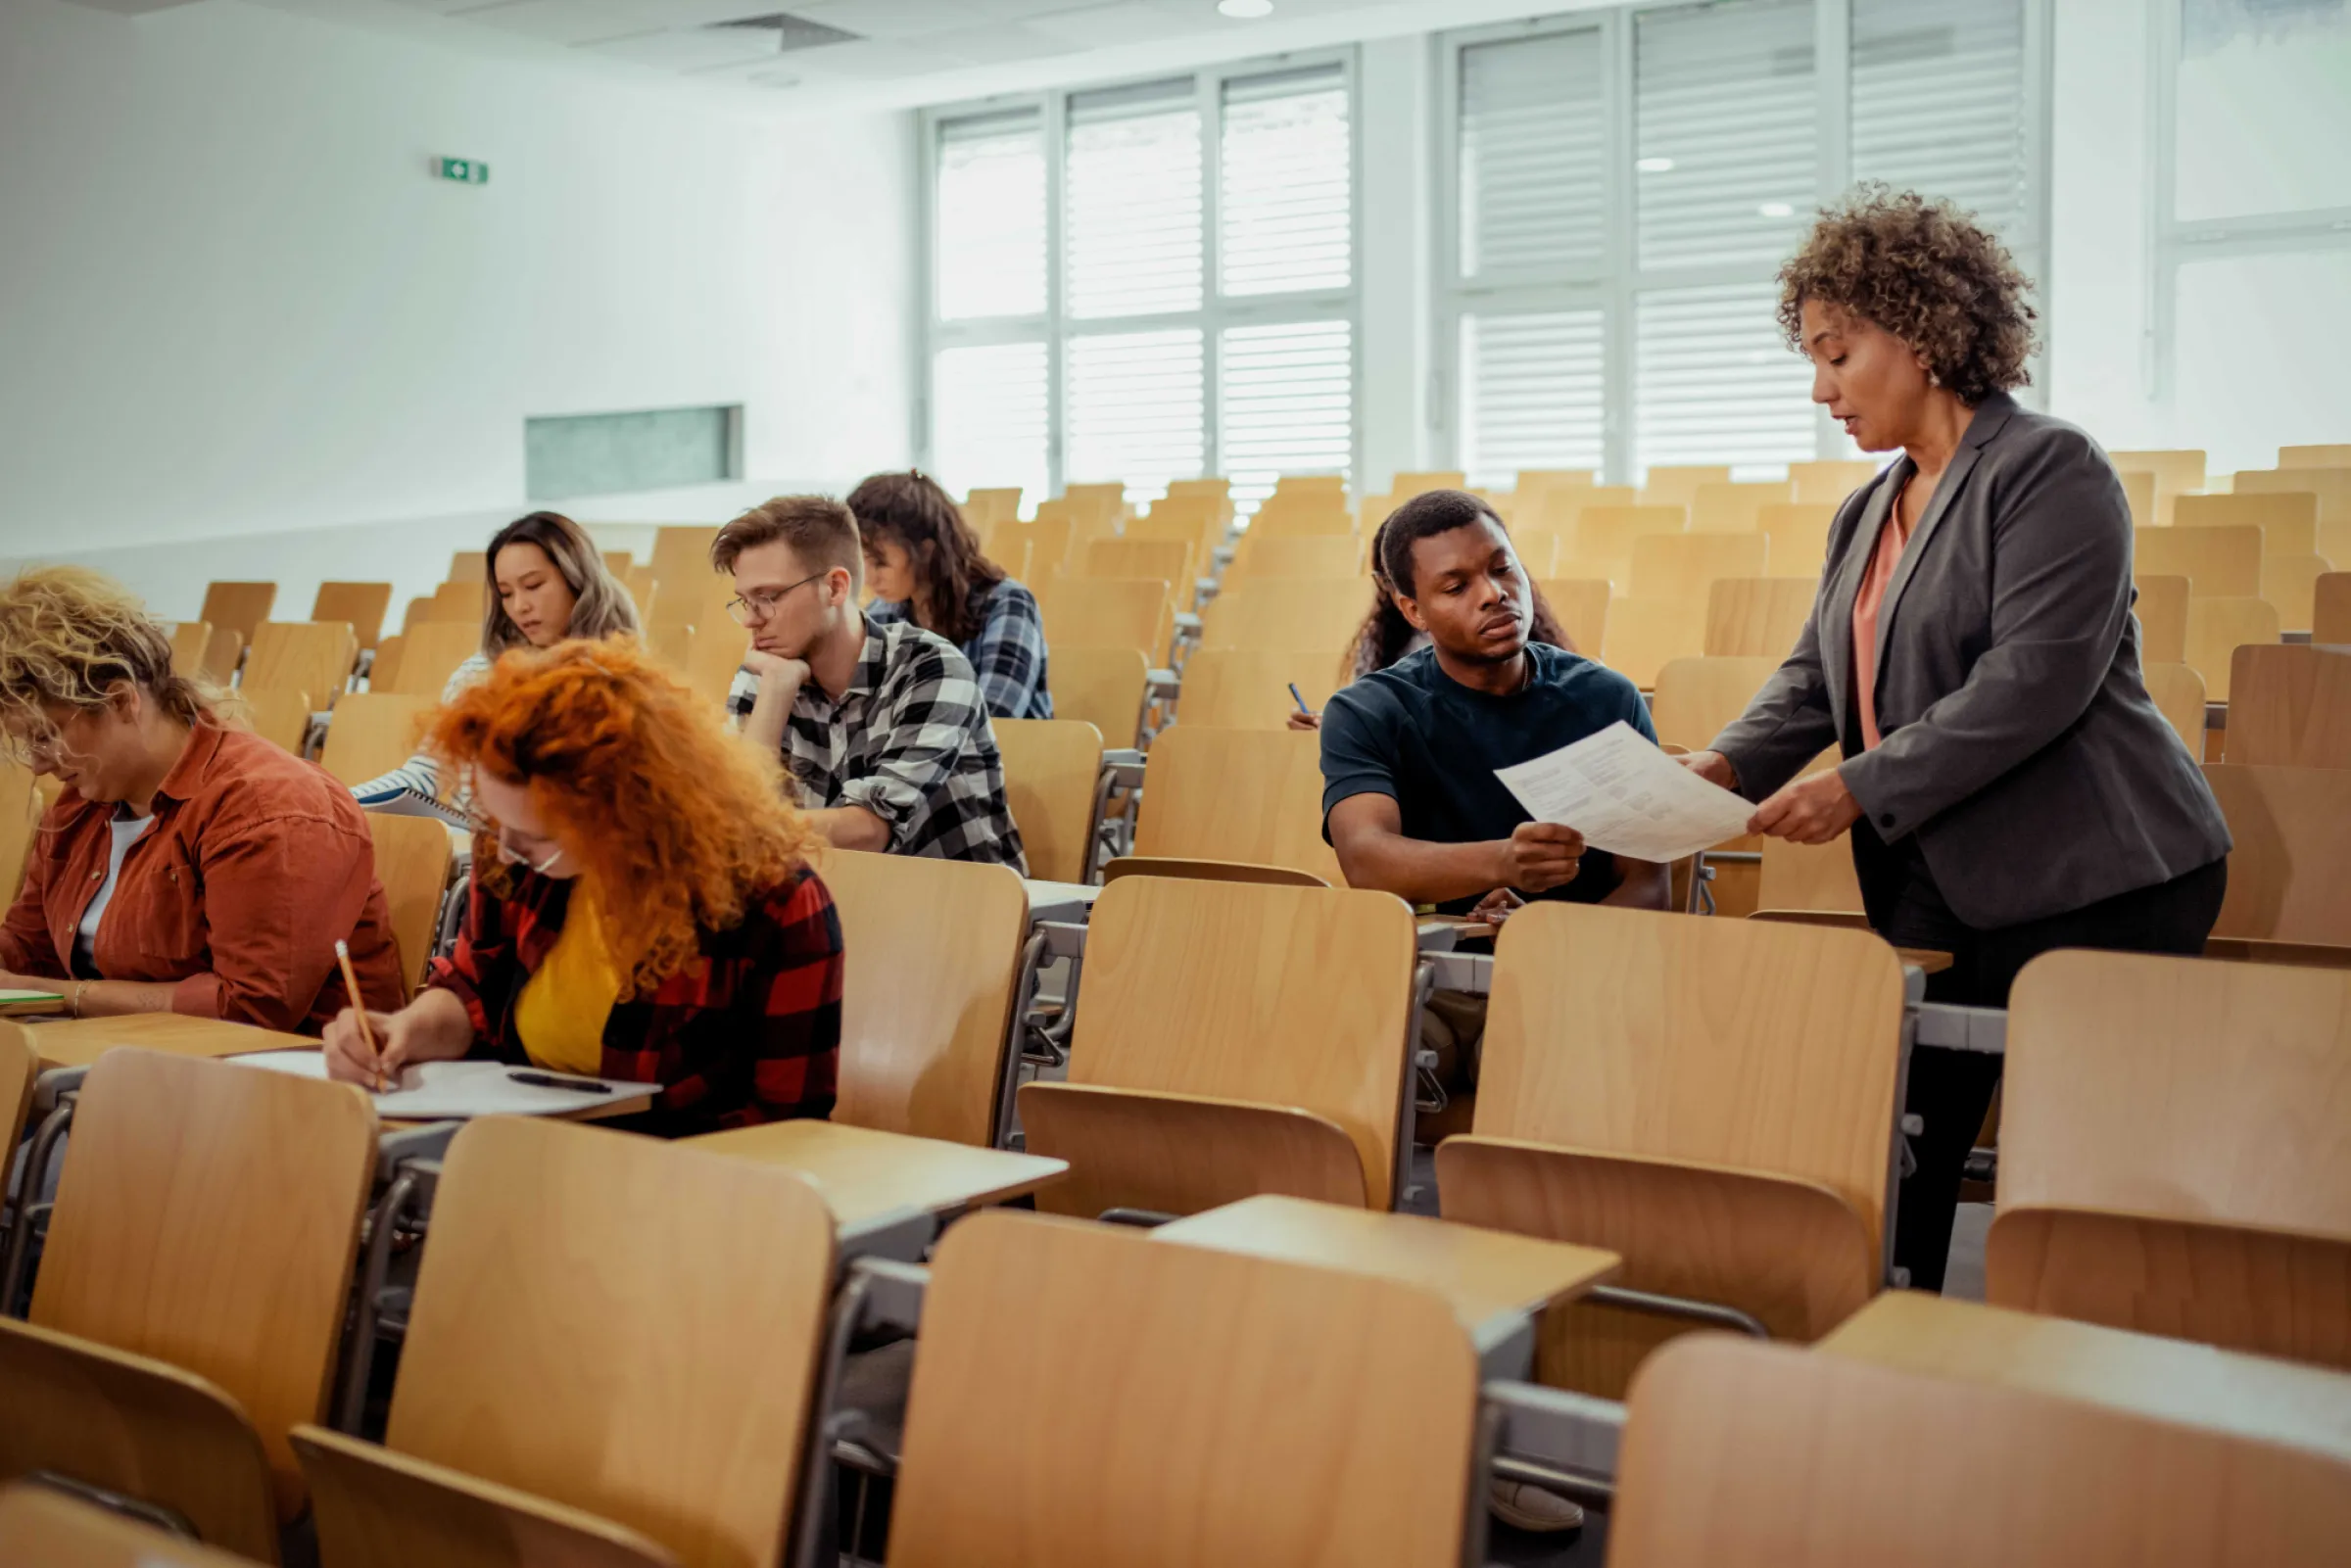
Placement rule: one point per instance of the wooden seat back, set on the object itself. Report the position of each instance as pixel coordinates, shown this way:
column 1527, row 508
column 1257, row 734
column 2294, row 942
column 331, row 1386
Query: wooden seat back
column 682, row 553
column 1687, row 566
column 2218, row 562
column 1798, row 535
column 412, row 856
column 1757, row 617
column 1828, row 481
column 1324, row 555
column 992, row 504
column 20, row 809
column 464, row 599
column 372, row 733
column 429, row 655
column 468, row 566
column 239, row 606
column 2179, row 694
column 1302, row 1415
column 280, row 715
column 1602, row 539
column 2176, row 1151
column 1109, row 612
column 1697, row 698
column 1101, row 685
column 1712, row 1099
column 2217, row 628
column 1808, row 877
column 2291, row 583
column 1675, row 484
column 1735, row 1451
column 312, row 656
column 2288, row 521
column 926, row 1009
column 1279, row 614
column 545, row 1351
column 1308, row 518
column 1249, row 689
column 1236, row 794
column 2162, row 610
column 1168, row 559
column 2332, row 488
column 363, row 605
column 1580, row 604
column 189, row 639
column 1256, row 1017
column 1644, row 635
column 1734, row 508
column 2330, row 609
column 40, row 1524
column 207, row 1220
column 2289, row 873
column 1052, row 777
column 2290, row 706
column 714, row 653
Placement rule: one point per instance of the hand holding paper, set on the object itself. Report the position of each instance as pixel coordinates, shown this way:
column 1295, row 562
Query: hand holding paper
column 1626, row 796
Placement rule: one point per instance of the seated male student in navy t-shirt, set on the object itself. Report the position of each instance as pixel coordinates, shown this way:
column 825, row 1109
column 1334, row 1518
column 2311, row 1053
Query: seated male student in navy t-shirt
column 1410, row 799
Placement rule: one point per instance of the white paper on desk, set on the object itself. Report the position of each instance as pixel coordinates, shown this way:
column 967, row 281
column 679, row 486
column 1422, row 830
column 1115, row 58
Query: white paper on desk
column 443, row 1091
column 1626, row 796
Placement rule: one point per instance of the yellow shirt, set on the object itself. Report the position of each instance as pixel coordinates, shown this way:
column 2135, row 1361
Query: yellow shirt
column 566, row 1002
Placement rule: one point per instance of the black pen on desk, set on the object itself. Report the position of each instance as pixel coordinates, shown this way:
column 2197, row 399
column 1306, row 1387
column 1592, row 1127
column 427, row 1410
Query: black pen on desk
column 1296, row 697
column 543, row 1080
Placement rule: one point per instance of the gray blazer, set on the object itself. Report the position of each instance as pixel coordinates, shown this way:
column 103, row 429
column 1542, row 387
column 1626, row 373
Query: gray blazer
column 2019, row 743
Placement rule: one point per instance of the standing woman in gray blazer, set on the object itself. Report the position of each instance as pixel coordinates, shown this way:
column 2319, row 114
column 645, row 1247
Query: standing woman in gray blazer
column 2009, row 785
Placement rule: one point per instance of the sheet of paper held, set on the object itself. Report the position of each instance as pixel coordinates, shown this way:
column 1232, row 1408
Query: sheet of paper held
column 1626, row 796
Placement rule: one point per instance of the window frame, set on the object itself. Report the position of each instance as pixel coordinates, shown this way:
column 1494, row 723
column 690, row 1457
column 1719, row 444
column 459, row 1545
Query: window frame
column 1055, row 327
column 2174, row 242
column 1615, row 286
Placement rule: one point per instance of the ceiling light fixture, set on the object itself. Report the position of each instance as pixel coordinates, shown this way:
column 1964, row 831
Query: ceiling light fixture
column 1245, row 9
column 1654, row 166
column 1777, row 209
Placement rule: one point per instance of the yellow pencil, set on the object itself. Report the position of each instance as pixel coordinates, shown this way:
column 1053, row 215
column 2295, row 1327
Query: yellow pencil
column 358, row 1006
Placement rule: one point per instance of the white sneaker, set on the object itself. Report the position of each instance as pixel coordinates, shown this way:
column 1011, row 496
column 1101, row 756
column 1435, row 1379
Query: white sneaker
column 1529, row 1508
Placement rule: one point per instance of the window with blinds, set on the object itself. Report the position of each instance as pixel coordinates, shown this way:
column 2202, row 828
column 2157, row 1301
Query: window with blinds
column 1286, row 187
column 1134, row 410
column 1935, row 103
column 1533, row 393
column 1286, row 395
column 1714, row 381
column 987, row 418
column 1134, row 213
column 1532, row 195
column 990, row 216
column 1726, row 114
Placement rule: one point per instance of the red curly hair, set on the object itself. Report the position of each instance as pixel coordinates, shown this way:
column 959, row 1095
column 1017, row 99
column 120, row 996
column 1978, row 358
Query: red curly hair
column 675, row 822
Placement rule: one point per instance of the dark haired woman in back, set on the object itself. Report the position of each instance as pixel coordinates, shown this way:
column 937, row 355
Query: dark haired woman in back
column 1387, row 635
column 924, row 565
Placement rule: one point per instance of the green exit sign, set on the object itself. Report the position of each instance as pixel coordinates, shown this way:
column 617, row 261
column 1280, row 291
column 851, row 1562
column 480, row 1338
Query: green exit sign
column 464, row 171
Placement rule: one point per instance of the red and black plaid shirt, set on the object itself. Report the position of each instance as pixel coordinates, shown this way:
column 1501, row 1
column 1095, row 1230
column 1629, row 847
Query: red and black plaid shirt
column 747, row 1033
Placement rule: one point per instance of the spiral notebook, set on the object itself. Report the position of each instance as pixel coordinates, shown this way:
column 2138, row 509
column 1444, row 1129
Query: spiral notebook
column 407, row 802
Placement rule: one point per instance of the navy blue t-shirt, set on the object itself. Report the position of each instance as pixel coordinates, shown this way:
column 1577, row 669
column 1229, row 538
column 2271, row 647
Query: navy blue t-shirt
column 1415, row 733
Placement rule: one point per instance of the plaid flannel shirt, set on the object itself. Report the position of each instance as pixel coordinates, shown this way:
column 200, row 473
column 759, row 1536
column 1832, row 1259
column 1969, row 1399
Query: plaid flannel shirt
column 747, row 1033
column 909, row 742
column 1008, row 656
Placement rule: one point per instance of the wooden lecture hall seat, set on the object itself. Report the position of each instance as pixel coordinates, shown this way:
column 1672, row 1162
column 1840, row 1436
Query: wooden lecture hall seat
column 1250, row 795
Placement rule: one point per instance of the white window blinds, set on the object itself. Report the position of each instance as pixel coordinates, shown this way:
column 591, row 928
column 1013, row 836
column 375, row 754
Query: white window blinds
column 989, row 240
column 1133, row 210
column 1714, row 381
column 1532, row 140
column 1935, row 103
column 1726, row 111
column 1286, row 183
column 1134, row 410
column 987, row 418
column 1533, row 393
column 1287, row 397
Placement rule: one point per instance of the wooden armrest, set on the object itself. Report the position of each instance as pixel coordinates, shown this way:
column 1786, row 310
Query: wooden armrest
column 2259, row 950
column 143, row 1427
column 379, row 1508
column 2271, row 1293
column 1793, row 1254
column 1180, row 1153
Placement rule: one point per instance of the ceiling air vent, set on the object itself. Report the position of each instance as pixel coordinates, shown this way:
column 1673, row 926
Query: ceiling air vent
column 791, row 32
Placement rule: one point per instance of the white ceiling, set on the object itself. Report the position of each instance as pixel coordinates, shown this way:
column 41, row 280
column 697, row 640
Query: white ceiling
column 902, row 52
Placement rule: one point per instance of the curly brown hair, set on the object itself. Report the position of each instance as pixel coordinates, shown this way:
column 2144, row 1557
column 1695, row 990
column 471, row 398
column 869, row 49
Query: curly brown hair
column 911, row 511
column 678, row 825
column 1925, row 271
column 71, row 638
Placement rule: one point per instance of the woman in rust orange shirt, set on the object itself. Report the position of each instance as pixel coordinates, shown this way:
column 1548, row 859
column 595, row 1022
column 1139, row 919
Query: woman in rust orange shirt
column 188, row 866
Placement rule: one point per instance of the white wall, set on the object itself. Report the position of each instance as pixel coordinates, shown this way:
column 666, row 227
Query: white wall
column 234, row 303
column 2255, row 343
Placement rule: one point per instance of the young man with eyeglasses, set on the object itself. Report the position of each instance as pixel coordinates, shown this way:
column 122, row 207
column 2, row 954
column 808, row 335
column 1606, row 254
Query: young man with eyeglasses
column 881, row 723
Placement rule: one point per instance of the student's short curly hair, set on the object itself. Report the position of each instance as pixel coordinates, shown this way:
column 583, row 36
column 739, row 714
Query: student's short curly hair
column 1925, row 271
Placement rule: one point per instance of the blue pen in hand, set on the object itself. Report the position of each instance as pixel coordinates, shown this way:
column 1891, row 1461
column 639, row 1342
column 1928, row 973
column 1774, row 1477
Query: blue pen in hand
column 1296, row 697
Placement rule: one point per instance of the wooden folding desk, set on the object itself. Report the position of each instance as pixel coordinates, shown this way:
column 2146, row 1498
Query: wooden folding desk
column 865, row 1175
column 1496, row 1282
column 2163, row 1379
column 78, row 1042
